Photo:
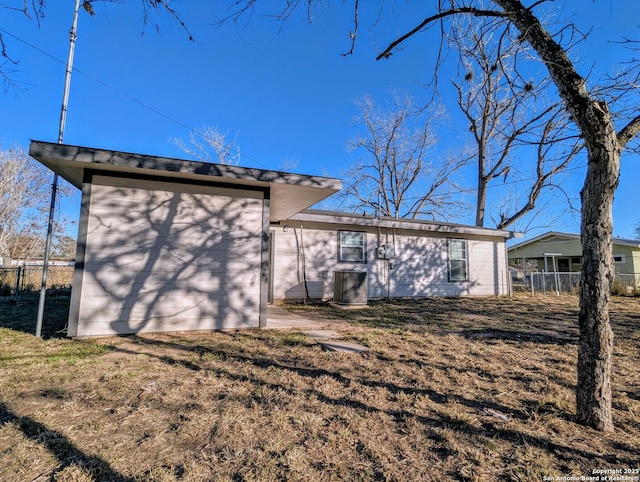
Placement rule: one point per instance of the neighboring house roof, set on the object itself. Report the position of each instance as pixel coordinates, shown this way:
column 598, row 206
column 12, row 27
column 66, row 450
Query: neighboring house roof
column 340, row 218
column 290, row 193
column 554, row 236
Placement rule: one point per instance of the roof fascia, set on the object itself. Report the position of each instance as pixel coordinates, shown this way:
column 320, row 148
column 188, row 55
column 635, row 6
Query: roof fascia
column 411, row 225
column 619, row 241
column 290, row 193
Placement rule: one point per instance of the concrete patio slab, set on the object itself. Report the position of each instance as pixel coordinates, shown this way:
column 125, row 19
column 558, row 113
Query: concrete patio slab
column 279, row 319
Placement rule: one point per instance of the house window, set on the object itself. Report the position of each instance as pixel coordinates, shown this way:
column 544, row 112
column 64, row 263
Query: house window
column 352, row 247
column 458, row 260
column 619, row 258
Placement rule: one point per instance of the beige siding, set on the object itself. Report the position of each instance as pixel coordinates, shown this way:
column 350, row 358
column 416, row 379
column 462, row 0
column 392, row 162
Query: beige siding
column 636, row 262
column 628, row 254
column 164, row 256
column 572, row 248
column 420, row 269
column 287, row 272
column 569, row 247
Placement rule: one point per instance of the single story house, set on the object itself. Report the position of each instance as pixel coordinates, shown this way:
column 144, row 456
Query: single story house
column 562, row 252
column 401, row 258
column 171, row 245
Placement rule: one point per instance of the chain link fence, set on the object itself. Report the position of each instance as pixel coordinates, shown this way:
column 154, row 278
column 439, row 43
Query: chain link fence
column 539, row 282
column 15, row 280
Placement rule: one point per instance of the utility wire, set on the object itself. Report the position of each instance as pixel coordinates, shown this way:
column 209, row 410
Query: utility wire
column 126, row 96
column 201, row 134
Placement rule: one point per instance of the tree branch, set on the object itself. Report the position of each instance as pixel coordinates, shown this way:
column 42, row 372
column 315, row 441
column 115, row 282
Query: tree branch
column 386, row 53
column 628, row 132
column 354, row 33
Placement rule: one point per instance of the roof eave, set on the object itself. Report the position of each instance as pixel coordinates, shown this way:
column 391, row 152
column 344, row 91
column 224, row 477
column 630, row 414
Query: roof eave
column 290, row 192
column 415, row 225
column 619, row 241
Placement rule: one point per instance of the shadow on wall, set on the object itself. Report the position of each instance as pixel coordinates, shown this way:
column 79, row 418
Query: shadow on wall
column 162, row 257
column 301, row 262
column 308, row 290
column 420, row 269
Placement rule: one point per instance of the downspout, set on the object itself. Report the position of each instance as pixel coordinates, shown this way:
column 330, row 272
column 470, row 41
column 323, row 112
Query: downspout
column 392, row 261
column 304, row 266
column 509, row 286
column 387, row 264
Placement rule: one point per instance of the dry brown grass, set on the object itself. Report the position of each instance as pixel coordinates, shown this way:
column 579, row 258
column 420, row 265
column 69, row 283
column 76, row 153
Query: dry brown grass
column 452, row 389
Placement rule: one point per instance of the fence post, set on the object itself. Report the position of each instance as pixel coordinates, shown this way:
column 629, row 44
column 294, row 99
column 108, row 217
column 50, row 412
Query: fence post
column 17, row 290
column 532, row 289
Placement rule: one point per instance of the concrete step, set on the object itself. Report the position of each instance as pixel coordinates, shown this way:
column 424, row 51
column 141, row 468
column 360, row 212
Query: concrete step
column 322, row 334
column 343, row 346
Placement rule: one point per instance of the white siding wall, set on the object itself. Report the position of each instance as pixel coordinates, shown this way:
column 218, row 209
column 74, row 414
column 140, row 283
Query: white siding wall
column 164, row 256
column 420, row 269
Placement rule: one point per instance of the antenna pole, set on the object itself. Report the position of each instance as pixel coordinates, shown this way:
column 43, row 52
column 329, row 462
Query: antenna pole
column 54, row 188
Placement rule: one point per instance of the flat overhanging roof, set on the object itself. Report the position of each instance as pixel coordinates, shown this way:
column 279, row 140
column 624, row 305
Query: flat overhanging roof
column 290, row 193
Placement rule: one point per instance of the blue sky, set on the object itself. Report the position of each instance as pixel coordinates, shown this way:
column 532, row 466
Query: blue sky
column 287, row 94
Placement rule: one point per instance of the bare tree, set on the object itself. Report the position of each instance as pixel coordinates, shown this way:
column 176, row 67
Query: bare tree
column 553, row 154
column 521, row 25
column 23, row 201
column 604, row 145
column 64, row 247
column 397, row 175
column 505, row 120
column 210, row 144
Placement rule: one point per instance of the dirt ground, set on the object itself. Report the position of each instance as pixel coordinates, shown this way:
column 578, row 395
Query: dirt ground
column 451, row 389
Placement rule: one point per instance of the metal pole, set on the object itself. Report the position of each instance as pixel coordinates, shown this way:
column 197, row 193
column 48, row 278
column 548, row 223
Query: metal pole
column 54, row 186
column 18, row 274
column 532, row 289
column 556, row 277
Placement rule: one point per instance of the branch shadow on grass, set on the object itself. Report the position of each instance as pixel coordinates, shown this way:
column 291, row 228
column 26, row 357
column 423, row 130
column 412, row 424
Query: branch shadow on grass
column 533, row 336
column 62, row 448
column 488, row 428
column 464, row 316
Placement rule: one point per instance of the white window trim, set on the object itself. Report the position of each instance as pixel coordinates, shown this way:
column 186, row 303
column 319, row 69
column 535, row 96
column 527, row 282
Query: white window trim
column 450, row 259
column 364, row 247
column 622, row 257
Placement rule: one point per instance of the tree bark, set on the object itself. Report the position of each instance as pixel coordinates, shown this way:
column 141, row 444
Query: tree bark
column 482, row 198
column 593, row 393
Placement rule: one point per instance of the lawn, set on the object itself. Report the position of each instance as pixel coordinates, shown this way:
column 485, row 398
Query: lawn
column 452, row 389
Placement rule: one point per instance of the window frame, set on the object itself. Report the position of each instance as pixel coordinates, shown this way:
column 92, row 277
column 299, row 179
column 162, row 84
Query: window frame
column 450, row 259
column 363, row 246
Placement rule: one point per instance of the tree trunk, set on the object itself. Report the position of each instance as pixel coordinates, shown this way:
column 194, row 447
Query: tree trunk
column 480, row 203
column 482, row 188
column 593, row 393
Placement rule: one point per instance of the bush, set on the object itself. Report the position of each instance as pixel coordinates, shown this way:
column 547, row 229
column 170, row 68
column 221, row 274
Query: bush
column 620, row 288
